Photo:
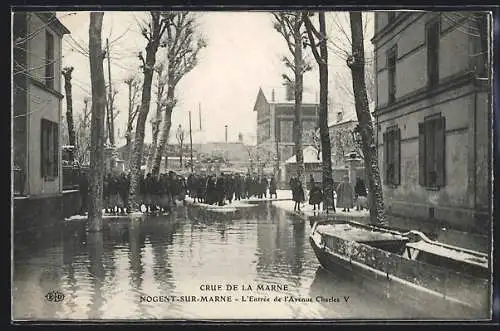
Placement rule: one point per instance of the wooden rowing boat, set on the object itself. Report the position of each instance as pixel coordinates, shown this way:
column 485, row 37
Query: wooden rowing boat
column 443, row 279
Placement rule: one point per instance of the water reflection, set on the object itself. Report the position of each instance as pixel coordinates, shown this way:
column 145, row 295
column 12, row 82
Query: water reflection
column 110, row 275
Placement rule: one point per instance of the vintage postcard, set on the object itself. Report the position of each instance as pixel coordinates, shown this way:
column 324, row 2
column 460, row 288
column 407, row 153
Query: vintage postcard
column 251, row 165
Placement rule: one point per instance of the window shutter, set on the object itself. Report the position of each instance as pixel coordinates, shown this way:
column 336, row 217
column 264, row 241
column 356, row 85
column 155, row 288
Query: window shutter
column 42, row 148
column 397, row 157
column 441, row 151
column 386, row 157
column 55, row 130
column 421, row 154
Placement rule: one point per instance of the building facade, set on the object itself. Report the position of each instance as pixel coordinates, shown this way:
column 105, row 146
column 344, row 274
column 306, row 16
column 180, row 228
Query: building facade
column 37, row 40
column 275, row 117
column 433, row 115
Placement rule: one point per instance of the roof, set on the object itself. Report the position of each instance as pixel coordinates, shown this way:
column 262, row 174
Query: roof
column 310, row 156
column 349, row 114
column 308, row 95
column 51, row 19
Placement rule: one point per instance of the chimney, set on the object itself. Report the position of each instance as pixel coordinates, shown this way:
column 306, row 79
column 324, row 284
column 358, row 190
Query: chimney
column 340, row 115
column 290, row 91
column 273, row 96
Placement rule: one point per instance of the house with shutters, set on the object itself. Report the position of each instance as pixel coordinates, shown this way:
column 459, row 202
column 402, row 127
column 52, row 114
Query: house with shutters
column 433, row 116
column 36, row 116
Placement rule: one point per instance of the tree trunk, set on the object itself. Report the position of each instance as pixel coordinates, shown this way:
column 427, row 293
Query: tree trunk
column 138, row 146
column 128, row 145
column 69, row 109
column 167, row 124
column 154, row 143
column 326, row 150
column 129, row 136
column 97, row 133
column 181, row 153
column 297, row 123
column 369, row 146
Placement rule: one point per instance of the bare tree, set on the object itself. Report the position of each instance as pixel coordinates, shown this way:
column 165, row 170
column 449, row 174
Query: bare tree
column 153, row 35
column 66, row 72
column 134, row 87
column 180, row 139
column 356, row 62
column 98, row 110
column 183, row 47
column 344, row 84
column 160, row 104
column 290, row 26
column 111, row 116
column 318, row 38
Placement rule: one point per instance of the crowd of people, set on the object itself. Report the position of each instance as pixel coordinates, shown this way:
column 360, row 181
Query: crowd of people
column 159, row 194
column 226, row 187
column 155, row 194
column 347, row 195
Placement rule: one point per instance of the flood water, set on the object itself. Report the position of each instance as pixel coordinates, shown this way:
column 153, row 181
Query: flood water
column 132, row 271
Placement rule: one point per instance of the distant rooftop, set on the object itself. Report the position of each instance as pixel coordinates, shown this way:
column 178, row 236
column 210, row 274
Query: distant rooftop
column 280, row 95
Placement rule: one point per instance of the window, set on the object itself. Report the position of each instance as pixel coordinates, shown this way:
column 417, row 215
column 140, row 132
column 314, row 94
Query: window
column 431, row 152
column 286, row 128
column 49, row 59
column 391, row 67
column 391, row 16
column 392, row 151
column 433, row 35
column 49, row 149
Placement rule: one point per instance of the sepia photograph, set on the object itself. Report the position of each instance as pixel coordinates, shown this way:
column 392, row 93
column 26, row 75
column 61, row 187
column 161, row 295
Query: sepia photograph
column 251, row 165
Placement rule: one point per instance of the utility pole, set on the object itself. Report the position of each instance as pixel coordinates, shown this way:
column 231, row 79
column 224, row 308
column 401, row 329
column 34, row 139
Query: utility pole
column 110, row 100
column 191, row 141
column 199, row 113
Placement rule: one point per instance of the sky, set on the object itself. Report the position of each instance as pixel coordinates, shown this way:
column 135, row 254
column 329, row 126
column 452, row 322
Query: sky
column 243, row 53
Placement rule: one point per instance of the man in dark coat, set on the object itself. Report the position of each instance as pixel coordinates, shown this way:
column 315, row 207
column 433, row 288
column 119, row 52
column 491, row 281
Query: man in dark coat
column 263, row 186
column 123, row 191
column 297, row 192
column 201, row 185
column 148, row 186
column 219, row 188
column 210, row 191
column 229, row 187
column 237, row 186
column 360, row 194
column 315, row 196
column 248, row 186
column 272, row 188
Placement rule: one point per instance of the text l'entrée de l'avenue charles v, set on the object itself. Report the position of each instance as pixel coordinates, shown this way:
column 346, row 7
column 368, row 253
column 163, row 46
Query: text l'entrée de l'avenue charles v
column 246, row 293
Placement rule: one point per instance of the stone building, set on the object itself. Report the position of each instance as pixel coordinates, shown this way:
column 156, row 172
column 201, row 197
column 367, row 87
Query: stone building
column 37, row 171
column 433, row 115
column 275, row 117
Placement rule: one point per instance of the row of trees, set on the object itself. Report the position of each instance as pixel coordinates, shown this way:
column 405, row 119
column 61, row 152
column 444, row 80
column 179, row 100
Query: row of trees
column 301, row 33
column 173, row 32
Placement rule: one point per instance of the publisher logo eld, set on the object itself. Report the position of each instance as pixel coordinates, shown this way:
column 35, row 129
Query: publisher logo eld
column 54, row 296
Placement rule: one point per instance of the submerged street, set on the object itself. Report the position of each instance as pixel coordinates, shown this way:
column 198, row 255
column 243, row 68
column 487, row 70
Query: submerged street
column 180, row 266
